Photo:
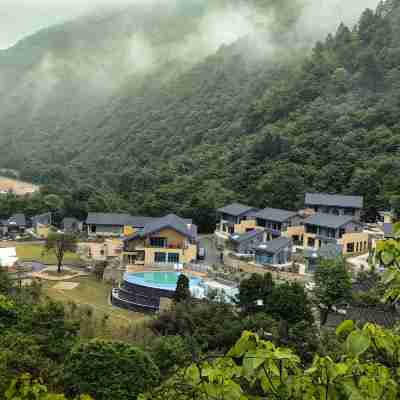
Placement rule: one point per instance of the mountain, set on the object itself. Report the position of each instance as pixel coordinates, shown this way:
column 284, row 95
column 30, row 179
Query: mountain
column 136, row 111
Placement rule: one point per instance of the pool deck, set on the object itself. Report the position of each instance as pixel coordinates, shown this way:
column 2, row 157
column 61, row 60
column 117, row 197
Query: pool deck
column 139, row 269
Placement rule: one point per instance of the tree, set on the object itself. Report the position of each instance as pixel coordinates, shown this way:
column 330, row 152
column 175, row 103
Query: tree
column 107, row 370
column 169, row 352
column 27, row 388
column 289, row 302
column 182, row 292
column 256, row 288
column 332, row 285
column 59, row 244
column 99, row 268
column 6, row 284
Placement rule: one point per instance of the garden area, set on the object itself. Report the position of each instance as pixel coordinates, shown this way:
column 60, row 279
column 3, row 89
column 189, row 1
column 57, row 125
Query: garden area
column 93, row 294
column 35, row 252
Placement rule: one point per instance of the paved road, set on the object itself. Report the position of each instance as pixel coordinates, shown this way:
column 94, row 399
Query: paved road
column 212, row 254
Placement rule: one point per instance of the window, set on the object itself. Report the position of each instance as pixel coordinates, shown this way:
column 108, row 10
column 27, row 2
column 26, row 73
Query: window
column 261, row 222
column 158, row 242
column 311, row 242
column 350, row 247
column 160, row 257
column 173, row 257
column 93, row 228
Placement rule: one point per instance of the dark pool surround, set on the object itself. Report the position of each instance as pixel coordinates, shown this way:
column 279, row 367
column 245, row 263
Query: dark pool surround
column 148, row 291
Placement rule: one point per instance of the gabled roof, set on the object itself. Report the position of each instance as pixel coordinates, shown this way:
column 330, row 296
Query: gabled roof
column 17, row 220
column 328, row 220
column 70, row 222
column 236, row 209
column 275, row 214
column 172, row 221
column 275, row 245
column 169, row 221
column 333, row 200
column 240, row 238
column 44, row 219
column 328, row 251
column 117, row 220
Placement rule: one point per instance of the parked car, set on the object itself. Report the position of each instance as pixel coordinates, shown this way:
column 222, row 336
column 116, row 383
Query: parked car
column 201, row 253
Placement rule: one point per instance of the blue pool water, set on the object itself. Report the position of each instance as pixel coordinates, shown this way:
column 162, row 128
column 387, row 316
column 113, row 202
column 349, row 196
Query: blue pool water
column 159, row 280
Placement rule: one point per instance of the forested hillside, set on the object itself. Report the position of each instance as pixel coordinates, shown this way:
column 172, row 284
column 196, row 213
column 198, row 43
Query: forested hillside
column 258, row 120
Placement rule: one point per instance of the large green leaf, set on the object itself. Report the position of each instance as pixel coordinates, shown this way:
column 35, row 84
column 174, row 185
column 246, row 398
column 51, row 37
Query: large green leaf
column 357, row 343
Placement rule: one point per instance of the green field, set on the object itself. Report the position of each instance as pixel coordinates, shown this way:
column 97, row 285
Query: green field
column 94, row 293
column 30, row 252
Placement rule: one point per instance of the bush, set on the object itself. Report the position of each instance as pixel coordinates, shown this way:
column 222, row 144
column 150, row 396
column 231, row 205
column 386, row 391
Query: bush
column 108, row 370
column 169, row 352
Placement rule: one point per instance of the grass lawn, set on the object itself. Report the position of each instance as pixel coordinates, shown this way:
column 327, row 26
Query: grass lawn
column 29, row 252
column 95, row 294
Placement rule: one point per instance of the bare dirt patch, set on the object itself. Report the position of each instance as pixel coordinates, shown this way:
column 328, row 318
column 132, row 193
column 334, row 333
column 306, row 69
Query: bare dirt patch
column 20, row 188
column 66, row 286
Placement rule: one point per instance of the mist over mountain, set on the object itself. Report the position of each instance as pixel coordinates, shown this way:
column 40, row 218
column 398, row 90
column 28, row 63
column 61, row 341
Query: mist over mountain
column 182, row 105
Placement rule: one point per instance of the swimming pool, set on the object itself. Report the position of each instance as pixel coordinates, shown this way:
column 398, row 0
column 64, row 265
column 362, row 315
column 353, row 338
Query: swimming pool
column 159, row 280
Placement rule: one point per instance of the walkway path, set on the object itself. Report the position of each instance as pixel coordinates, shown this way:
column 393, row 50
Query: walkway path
column 359, row 263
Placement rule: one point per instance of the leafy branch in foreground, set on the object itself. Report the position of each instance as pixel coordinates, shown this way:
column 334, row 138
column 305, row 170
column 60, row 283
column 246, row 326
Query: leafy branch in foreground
column 388, row 254
column 256, row 369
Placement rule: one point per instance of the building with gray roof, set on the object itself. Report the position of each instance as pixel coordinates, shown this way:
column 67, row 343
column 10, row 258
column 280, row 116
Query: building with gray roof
column 336, row 204
column 276, row 220
column 274, row 252
column 112, row 224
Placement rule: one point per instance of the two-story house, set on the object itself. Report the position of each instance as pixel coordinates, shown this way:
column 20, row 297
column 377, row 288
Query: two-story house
column 335, row 204
column 166, row 240
column 114, row 225
column 321, row 229
column 234, row 219
column 275, row 221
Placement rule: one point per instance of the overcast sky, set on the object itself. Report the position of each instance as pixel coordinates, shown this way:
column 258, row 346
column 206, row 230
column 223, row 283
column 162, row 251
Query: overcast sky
column 19, row 18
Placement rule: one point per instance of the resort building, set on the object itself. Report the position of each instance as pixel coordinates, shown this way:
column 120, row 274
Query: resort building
column 15, row 225
column 71, row 225
column 321, row 229
column 335, row 204
column 275, row 221
column 42, row 225
column 166, row 240
column 276, row 252
column 328, row 251
column 114, row 225
column 233, row 219
column 243, row 244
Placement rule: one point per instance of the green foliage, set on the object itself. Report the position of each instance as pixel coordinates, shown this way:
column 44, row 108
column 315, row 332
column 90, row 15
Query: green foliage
column 108, row 370
column 332, row 285
column 169, row 352
column 257, row 369
column 182, row 292
column 26, row 388
column 287, row 301
column 209, row 326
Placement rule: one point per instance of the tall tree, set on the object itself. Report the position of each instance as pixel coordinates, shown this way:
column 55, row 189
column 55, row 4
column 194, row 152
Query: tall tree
column 255, row 292
column 182, row 292
column 109, row 370
column 332, row 285
column 59, row 244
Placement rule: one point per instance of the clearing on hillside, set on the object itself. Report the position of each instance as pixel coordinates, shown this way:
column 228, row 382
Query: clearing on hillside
column 17, row 187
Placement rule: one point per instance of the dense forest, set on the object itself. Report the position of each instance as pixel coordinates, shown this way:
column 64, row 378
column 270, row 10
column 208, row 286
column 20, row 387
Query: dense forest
column 250, row 121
